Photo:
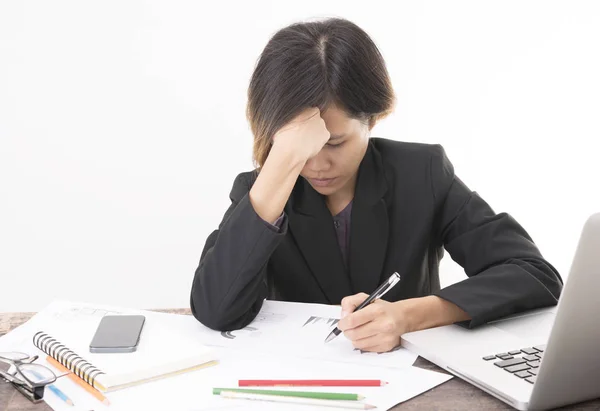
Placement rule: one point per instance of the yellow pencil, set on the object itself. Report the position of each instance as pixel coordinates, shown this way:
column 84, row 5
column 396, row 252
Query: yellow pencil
column 97, row 394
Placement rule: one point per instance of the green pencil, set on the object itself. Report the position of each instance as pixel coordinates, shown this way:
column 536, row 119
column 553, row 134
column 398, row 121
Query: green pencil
column 301, row 394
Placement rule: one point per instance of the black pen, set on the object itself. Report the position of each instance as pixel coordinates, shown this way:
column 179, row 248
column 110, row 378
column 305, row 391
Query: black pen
column 378, row 293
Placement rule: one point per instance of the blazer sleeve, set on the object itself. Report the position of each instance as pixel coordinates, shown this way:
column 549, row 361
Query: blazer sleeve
column 230, row 283
column 507, row 273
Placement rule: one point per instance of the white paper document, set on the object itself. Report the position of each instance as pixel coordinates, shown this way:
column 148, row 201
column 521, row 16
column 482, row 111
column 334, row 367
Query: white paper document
column 193, row 391
column 300, row 330
column 286, row 341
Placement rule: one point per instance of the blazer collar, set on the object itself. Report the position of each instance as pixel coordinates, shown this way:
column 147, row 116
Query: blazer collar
column 312, row 227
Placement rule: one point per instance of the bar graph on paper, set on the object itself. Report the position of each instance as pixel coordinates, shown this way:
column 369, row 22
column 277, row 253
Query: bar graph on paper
column 325, row 321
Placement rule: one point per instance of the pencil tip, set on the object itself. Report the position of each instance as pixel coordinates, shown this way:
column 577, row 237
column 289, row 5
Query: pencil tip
column 71, row 403
column 369, row 407
column 330, row 337
column 106, row 401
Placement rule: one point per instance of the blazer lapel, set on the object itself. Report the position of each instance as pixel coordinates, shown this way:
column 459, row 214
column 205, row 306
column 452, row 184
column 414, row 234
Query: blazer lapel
column 369, row 229
column 311, row 225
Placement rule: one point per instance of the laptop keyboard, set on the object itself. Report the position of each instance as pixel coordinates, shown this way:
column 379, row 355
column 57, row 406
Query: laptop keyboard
column 523, row 363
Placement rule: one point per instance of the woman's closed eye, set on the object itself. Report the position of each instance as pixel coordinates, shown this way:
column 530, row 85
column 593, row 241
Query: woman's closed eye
column 334, row 145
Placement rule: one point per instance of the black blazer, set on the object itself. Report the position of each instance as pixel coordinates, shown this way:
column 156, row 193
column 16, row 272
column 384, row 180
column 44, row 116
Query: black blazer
column 408, row 206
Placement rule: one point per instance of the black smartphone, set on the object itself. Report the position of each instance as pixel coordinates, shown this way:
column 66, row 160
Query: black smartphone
column 117, row 334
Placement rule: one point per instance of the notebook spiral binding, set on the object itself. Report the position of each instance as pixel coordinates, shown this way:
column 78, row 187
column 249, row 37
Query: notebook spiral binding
column 67, row 358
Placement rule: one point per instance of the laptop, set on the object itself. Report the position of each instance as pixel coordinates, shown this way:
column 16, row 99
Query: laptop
column 538, row 359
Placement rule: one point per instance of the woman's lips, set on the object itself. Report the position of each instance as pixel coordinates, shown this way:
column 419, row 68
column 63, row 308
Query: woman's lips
column 321, row 182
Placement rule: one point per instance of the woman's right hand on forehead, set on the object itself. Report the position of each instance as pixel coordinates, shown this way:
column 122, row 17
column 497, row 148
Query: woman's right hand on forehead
column 305, row 135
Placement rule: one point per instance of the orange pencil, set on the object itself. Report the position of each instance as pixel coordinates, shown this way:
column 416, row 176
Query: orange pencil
column 97, row 394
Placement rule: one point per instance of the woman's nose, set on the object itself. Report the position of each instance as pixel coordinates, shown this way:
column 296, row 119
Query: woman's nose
column 318, row 163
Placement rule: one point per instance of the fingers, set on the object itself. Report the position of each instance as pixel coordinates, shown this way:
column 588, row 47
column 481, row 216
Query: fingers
column 350, row 303
column 364, row 331
column 308, row 114
column 381, row 324
column 377, row 343
column 303, row 117
column 360, row 317
column 380, row 348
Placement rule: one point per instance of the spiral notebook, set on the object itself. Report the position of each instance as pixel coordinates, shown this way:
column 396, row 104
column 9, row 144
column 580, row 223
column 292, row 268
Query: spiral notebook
column 160, row 354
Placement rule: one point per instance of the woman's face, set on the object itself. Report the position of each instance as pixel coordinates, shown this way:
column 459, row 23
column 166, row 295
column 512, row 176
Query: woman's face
column 336, row 166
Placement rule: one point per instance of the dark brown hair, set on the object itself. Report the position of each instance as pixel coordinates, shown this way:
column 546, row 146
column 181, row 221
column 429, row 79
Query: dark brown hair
column 316, row 64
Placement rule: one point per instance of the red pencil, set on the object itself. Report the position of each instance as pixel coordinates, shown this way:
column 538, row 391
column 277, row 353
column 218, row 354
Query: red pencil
column 311, row 383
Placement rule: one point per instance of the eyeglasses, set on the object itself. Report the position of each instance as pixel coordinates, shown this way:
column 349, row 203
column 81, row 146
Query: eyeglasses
column 30, row 379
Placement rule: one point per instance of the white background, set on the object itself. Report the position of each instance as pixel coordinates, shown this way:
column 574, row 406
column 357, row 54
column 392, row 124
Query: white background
column 122, row 127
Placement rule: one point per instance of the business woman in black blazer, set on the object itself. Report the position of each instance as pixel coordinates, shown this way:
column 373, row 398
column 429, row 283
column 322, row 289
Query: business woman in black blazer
column 330, row 212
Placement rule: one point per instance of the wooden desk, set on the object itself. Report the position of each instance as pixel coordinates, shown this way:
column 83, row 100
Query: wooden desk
column 452, row 395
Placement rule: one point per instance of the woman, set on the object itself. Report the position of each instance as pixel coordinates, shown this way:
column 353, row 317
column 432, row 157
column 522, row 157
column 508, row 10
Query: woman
column 330, row 212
